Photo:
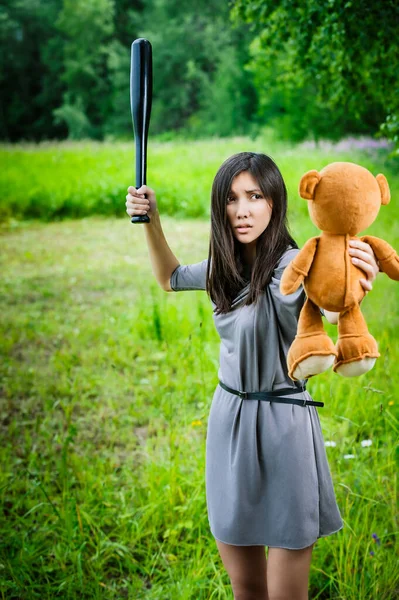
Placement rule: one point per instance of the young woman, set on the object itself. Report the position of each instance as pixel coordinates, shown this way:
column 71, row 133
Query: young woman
column 268, row 481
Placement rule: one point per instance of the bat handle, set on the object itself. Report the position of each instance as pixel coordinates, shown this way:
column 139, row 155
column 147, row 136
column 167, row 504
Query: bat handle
column 140, row 219
column 141, row 172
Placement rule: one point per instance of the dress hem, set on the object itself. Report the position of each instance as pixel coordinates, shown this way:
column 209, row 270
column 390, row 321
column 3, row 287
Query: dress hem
column 283, row 547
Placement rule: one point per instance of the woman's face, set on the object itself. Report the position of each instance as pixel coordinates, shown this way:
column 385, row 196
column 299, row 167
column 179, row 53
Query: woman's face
column 246, row 206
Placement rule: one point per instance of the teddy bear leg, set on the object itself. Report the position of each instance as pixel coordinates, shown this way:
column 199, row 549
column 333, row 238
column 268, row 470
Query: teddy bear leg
column 356, row 347
column 312, row 351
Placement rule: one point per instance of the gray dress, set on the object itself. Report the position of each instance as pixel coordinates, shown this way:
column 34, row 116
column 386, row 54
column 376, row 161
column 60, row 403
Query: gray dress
column 268, row 481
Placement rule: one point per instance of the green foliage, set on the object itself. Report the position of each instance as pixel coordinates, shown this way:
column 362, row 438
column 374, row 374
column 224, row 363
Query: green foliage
column 341, row 56
column 30, row 69
column 228, row 101
column 200, row 83
column 390, row 128
column 311, row 69
column 82, row 53
column 118, row 121
column 73, row 114
column 86, row 27
column 292, row 105
column 61, row 65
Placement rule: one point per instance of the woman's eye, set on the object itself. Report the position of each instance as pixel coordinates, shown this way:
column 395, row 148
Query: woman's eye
column 257, row 196
column 230, row 199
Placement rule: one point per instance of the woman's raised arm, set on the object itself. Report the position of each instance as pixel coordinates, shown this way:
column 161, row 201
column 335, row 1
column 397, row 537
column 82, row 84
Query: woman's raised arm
column 163, row 261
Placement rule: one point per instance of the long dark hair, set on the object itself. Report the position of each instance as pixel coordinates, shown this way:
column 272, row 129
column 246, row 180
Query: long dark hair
column 225, row 269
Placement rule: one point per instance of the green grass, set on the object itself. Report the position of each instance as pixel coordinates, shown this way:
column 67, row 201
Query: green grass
column 51, row 181
column 105, row 391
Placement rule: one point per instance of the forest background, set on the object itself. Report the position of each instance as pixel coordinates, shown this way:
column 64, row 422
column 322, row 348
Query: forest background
column 308, row 69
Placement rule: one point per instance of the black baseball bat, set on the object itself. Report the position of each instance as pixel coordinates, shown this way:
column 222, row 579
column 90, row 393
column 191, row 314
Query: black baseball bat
column 140, row 104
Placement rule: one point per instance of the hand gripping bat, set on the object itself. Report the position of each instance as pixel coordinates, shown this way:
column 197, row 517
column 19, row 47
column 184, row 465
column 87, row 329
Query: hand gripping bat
column 140, row 104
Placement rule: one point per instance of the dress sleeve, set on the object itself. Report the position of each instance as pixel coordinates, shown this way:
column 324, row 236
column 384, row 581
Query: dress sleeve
column 189, row 277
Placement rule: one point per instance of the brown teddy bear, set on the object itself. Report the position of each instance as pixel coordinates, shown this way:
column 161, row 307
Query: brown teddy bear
column 344, row 198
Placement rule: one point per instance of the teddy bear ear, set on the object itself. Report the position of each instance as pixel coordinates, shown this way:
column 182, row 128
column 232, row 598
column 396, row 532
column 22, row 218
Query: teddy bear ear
column 308, row 184
column 384, row 187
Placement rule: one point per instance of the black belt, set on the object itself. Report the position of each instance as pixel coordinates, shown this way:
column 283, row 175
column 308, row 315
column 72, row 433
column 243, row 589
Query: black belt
column 273, row 396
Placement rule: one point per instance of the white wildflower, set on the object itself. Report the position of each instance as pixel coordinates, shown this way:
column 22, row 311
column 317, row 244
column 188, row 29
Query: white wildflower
column 365, row 443
column 349, row 456
column 329, row 443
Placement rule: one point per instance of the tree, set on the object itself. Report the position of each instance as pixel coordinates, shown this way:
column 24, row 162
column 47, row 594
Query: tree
column 30, row 66
column 86, row 27
column 64, row 68
column 200, row 84
column 343, row 54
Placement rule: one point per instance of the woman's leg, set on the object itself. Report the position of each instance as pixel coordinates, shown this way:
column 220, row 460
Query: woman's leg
column 288, row 573
column 246, row 567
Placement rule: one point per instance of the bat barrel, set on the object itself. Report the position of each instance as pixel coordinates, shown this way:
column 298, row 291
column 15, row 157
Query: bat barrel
column 140, row 103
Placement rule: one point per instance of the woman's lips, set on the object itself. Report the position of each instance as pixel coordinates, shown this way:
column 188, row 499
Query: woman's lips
column 243, row 229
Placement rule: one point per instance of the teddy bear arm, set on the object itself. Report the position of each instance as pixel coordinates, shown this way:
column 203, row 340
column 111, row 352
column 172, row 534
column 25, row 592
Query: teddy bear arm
column 298, row 268
column 386, row 255
column 290, row 280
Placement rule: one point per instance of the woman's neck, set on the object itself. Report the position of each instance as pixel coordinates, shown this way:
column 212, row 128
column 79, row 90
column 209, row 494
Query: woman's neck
column 249, row 254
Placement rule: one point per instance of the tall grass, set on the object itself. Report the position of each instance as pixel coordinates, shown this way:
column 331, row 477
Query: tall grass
column 106, row 387
column 51, row 181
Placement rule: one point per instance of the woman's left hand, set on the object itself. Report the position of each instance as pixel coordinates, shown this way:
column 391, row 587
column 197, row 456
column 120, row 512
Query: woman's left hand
column 363, row 257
